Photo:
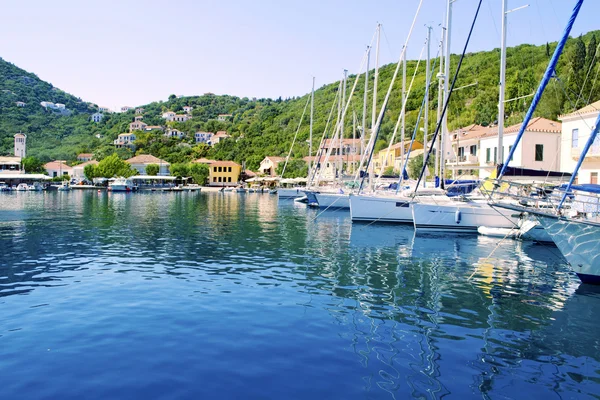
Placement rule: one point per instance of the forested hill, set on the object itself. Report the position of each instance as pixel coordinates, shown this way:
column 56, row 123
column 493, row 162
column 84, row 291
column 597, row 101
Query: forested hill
column 261, row 127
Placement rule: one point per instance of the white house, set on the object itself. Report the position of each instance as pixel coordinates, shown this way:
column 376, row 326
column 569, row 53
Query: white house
column 139, row 110
column 97, row 117
column 78, row 170
column 20, row 104
column 169, row 115
column 58, row 168
column 203, row 137
column 181, row 117
column 20, row 145
column 124, row 140
column 137, row 126
column 143, row 160
column 268, row 165
column 539, row 149
column 48, row 104
column 224, row 117
column 220, row 135
column 174, row 133
column 60, row 106
column 576, row 130
column 188, row 109
column 83, row 157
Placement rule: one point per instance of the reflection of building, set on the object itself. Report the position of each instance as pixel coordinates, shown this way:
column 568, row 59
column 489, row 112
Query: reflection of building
column 20, row 145
column 576, row 130
column 268, row 166
column 140, row 163
column 224, row 173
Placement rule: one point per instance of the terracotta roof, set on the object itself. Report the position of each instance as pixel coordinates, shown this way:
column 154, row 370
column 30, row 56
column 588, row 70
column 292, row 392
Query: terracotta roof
column 204, row 161
column 225, row 164
column 589, row 109
column 91, row 162
column 86, row 155
column 222, row 134
column 57, row 165
column 249, row 173
column 276, row 159
column 537, row 124
column 153, row 127
column 146, row 159
column 469, row 132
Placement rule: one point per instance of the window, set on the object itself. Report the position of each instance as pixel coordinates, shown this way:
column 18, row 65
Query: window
column 594, row 177
column 473, row 150
column 228, row 169
column 575, row 138
column 487, row 154
column 228, row 179
column 220, row 179
column 220, row 169
column 509, row 150
column 461, row 151
column 495, row 155
column 214, row 169
column 539, row 152
column 214, row 178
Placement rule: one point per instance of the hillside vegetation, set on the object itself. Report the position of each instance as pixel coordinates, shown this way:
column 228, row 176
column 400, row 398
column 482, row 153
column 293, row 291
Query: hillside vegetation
column 262, row 127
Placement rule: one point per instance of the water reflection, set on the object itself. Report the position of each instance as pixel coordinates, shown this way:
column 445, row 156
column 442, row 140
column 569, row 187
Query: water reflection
column 420, row 316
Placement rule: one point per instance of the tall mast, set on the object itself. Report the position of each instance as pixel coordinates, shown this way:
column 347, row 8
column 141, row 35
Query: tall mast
column 374, row 116
column 341, row 148
column 426, row 116
column 312, row 110
column 440, row 101
column 502, row 86
column 446, row 94
column 364, row 116
column 403, row 105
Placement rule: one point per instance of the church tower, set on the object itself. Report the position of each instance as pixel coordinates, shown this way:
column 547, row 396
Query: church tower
column 20, row 145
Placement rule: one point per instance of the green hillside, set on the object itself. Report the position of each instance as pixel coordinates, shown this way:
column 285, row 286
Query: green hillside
column 263, row 127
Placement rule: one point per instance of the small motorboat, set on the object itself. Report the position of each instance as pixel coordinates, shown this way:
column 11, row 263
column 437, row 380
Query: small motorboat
column 121, row 185
column 22, row 187
column 64, row 186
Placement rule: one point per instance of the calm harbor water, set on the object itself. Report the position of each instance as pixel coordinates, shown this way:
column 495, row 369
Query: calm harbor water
column 222, row 295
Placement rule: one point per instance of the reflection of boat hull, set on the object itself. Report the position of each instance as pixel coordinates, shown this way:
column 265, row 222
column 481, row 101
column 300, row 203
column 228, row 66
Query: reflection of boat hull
column 333, row 200
column 460, row 217
column 382, row 209
column 119, row 188
column 578, row 243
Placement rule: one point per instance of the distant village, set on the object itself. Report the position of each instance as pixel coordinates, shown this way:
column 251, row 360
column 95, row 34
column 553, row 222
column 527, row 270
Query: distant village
column 471, row 151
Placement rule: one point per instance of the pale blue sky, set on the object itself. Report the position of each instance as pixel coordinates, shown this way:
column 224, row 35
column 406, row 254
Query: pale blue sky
column 127, row 52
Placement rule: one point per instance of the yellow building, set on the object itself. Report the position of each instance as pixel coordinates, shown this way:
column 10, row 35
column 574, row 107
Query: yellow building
column 393, row 157
column 224, row 173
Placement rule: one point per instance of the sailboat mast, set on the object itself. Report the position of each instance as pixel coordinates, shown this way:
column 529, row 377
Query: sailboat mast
column 364, row 116
column 310, row 134
column 440, row 101
column 446, row 94
column 502, row 87
column 426, row 116
column 374, row 115
column 403, row 105
column 341, row 148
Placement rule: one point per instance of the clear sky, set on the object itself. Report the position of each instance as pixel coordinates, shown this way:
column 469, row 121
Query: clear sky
column 126, row 52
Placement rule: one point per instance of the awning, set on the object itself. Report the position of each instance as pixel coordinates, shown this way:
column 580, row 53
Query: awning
column 153, row 177
column 31, row 177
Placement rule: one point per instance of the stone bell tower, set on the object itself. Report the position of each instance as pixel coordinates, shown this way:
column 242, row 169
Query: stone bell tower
column 20, row 145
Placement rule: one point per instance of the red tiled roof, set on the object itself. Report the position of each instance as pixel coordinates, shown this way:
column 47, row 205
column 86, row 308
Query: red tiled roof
column 204, row 161
column 57, row 165
column 146, row 159
column 225, row 164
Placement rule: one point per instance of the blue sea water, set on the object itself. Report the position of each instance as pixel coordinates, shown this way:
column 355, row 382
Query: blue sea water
column 231, row 296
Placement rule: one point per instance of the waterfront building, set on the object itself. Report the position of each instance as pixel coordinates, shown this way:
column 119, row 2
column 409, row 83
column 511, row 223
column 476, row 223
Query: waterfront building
column 78, row 170
column 224, row 173
column 576, row 129
column 58, row 168
column 395, row 157
column 268, row 166
column 329, row 167
column 83, row 157
column 140, row 163
column 9, row 164
column 20, row 145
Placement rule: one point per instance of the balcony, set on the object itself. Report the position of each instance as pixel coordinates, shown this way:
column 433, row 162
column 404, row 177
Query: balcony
column 592, row 155
column 469, row 159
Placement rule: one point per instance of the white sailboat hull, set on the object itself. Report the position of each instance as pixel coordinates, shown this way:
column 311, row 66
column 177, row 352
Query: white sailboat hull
column 578, row 243
column 333, row 200
column 382, row 209
column 460, row 217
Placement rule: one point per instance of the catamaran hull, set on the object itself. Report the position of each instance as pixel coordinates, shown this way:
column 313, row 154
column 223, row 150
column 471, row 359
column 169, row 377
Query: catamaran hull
column 290, row 193
column 460, row 217
column 333, row 200
column 381, row 209
column 578, row 243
